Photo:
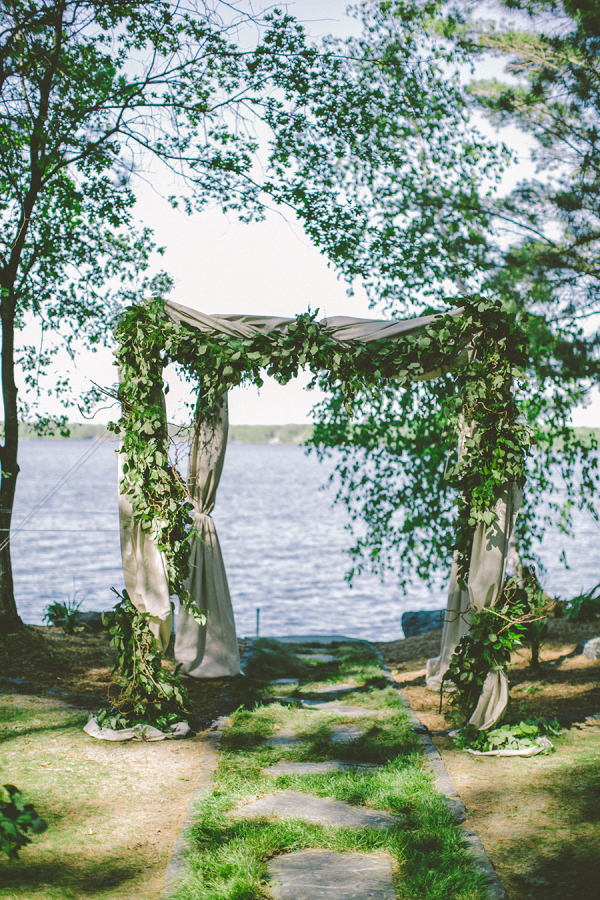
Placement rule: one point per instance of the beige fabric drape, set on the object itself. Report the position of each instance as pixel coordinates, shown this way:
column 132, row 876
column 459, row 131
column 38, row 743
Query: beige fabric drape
column 486, row 577
column 144, row 568
column 344, row 329
column 209, row 650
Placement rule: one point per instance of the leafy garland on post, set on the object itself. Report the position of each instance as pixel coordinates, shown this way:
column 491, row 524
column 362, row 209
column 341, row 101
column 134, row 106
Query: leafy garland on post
column 485, row 402
column 494, row 631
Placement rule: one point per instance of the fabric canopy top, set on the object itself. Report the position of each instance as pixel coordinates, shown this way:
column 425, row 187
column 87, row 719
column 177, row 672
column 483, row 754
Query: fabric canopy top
column 343, row 329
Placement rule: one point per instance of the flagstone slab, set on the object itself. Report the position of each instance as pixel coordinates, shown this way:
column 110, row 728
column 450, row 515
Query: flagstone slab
column 345, row 734
column 284, row 737
column 285, row 681
column 296, row 805
column 309, row 768
column 324, row 875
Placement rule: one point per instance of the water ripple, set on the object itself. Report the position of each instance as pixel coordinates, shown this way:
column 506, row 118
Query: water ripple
column 282, row 542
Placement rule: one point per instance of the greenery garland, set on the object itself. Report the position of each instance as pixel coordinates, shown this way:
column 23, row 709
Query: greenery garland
column 516, row 736
column 147, row 694
column 494, row 632
column 484, row 404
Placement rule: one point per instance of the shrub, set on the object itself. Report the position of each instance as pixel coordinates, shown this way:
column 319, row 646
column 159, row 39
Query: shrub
column 584, row 607
column 16, row 819
column 64, row 615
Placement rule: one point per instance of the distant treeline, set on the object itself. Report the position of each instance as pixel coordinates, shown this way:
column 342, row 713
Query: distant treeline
column 241, row 434
column 270, row 434
column 81, row 431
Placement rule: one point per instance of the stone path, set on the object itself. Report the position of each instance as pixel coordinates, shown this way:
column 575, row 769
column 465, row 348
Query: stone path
column 320, row 874
column 296, row 805
column 284, row 737
column 345, row 734
column 314, row 874
column 309, row 768
column 337, row 691
column 332, row 706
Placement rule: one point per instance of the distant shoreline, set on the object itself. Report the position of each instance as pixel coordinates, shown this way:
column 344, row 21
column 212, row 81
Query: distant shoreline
column 238, row 434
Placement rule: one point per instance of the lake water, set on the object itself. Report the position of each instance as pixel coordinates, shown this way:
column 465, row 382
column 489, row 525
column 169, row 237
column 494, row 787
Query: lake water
column 282, row 542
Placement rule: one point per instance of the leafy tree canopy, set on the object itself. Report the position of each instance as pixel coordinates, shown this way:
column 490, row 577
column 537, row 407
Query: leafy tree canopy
column 91, row 94
column 547, row 230
column 396, row 184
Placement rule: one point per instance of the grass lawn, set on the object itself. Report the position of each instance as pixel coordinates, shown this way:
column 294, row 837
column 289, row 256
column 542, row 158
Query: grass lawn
column 228, row 858
column 538, row 818
column 113, row 810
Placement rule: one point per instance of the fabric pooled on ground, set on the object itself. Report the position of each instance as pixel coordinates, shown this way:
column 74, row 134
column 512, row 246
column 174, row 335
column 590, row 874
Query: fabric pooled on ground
column 542, row 745
column 136, row 733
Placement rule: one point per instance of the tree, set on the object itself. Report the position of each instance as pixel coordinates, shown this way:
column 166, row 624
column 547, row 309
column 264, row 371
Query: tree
column 90, row 93
column 386, row 173
column 553, row 95
column 398, row 190
column 547, row 230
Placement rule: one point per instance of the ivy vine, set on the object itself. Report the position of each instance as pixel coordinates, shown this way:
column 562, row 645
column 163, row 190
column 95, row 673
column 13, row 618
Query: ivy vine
column 17, row 819
column 144, row 693
column 494, row 632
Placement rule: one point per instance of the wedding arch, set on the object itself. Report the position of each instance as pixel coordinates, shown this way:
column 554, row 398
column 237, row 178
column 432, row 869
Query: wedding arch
column 168, row 538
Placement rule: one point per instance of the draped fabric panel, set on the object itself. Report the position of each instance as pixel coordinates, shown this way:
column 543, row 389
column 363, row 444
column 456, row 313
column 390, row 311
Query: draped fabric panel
column 343, row 329
column 209, row 650
column 144, row 569
column 484, row 584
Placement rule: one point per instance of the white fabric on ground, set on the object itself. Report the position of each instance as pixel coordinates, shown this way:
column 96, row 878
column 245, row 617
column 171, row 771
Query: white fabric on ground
column 485, row 581
column 137, row 733
column 542, row 744
column 209, row 650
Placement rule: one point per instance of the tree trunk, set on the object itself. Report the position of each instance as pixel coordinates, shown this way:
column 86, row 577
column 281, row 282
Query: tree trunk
column 9, row 617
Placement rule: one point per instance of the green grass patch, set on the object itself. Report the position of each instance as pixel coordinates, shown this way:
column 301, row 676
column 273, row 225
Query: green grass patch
column 104, row 804
column 228, row 858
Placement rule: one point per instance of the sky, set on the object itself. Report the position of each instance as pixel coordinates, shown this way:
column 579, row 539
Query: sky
column 220, row 265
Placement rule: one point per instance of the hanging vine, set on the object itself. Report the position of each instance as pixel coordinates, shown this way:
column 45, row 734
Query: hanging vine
column 144, row 693
column 485, row 401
